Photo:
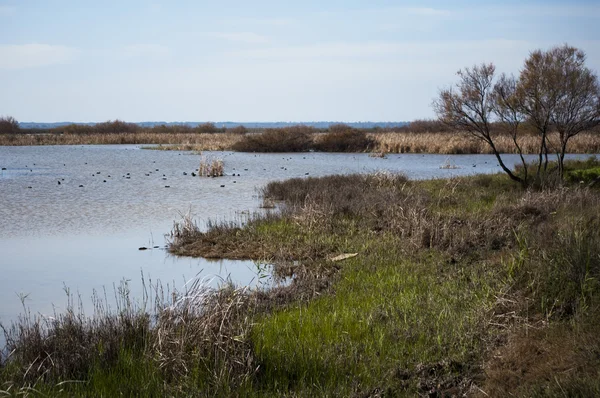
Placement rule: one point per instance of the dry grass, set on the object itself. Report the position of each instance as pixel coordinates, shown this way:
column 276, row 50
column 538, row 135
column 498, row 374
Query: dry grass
column 196, row 337
column 210, row 167
column 302, row 138
column 180, row 141
column 451, row 143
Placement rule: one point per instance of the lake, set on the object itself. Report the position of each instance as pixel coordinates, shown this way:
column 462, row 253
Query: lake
column 76, row 216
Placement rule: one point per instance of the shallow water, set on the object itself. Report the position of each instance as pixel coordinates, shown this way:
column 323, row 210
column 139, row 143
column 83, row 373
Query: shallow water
column 84, row 233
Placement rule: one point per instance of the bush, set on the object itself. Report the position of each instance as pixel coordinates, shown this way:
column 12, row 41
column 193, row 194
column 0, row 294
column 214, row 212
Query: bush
column 9, row 125
column 241, row 130
column 289, row 139
column 343, row 138
column 115, row 127
column 207, row 128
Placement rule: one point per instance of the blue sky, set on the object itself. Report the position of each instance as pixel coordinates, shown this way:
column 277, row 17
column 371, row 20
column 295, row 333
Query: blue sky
column 67, row 60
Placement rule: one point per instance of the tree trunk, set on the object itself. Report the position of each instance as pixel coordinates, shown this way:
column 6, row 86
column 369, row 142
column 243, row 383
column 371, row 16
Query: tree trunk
column 503, row 166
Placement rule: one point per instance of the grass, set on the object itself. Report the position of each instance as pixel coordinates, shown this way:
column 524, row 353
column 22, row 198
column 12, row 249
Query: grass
column 183, row 141
column 468, row 286
column 452, row 143
column 210, row 167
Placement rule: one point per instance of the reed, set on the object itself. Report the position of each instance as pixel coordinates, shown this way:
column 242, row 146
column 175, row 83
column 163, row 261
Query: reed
column 444, row 143
column 210, row 167
column 302, row 138
column 180, row 141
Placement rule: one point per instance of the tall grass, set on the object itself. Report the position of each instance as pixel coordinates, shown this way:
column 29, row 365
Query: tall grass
column 171, row 343
column 210, row 167
column 433, row 142
column 183, row 141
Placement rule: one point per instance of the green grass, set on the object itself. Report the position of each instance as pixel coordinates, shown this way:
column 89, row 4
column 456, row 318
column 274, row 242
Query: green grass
column 389, row 316
column 459, row 286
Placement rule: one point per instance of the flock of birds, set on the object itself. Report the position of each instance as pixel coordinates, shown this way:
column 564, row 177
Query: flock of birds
column 128, row 176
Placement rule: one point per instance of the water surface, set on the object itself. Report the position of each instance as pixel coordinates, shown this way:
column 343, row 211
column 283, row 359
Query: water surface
column 76, row 216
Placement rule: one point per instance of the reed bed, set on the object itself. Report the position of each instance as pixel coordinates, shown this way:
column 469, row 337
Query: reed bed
column 187, row 141
column 304, row 139
column 452, row 143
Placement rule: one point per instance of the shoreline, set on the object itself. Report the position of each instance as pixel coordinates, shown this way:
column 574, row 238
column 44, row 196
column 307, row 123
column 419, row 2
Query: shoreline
column 386, row 142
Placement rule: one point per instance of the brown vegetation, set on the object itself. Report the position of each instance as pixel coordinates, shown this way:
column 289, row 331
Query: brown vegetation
column 8, row 125
column 181, row 141
column 288, row 139
column 458, row 143
column 343, row 138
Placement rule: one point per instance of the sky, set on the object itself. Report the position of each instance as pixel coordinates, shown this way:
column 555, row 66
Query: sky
column 310, row 60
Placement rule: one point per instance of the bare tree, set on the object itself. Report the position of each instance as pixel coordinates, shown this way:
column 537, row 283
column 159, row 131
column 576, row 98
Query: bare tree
column 577, row 106
column 506, row 106
column 8, row 125
column 557, row 91
column 469, row 106
column 538, row 95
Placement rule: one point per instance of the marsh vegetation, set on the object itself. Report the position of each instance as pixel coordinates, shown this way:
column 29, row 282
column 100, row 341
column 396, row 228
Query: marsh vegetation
column 420, row 136
column 467, row 285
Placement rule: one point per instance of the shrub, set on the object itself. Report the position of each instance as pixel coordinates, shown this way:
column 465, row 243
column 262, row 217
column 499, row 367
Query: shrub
column 172, row 129
column 115, row 127
column 241, row 130
column 289, row 139
column 207, row 128
column 78, row 129
column 9, row 125
column 343, row 138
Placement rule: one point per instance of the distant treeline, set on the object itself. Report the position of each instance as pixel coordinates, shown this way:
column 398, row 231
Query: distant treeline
column 9, row 125
column 223, row 125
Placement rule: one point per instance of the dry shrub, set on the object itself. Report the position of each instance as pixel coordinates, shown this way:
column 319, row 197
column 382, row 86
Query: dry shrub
column 9, row 125
column 289, row 139
column 241, row 130
column 172, row 129
column 343, row 138
column 423, row 126
column 207, row 128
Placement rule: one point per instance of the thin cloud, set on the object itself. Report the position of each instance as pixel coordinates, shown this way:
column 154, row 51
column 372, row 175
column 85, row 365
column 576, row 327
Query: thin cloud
column 23, row 56
column 239, row 37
